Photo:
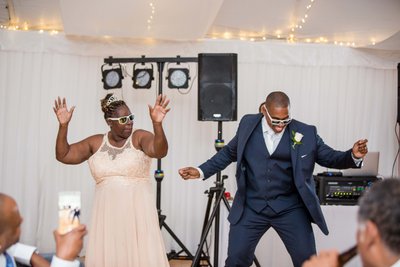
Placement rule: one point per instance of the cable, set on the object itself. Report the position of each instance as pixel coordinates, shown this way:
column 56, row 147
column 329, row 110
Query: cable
column 398, row 149
column 191, row 84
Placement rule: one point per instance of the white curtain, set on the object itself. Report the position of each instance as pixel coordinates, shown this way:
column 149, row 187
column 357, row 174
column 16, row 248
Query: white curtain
column 348, row 94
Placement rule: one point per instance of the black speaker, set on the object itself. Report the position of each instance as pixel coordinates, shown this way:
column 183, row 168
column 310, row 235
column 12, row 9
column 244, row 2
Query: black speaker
column 217, row 88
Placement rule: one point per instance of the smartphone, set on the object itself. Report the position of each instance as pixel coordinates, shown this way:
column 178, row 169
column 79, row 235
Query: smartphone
column 69, row 210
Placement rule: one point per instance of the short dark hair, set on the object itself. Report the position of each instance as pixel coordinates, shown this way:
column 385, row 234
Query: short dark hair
column 277, row 99
column 380, row 205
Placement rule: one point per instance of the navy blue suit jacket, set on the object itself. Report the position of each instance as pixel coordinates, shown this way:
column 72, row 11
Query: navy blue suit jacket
column 303, row 156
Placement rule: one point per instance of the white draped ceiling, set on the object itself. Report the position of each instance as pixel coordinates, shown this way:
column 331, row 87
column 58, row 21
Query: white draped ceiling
column 358, row 23
column 347, row 93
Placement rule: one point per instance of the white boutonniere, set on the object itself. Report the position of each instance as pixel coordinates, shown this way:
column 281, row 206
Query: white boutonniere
column 296, row 138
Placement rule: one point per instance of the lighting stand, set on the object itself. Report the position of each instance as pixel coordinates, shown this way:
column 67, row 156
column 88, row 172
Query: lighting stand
column 159, row 173
column 216, row 193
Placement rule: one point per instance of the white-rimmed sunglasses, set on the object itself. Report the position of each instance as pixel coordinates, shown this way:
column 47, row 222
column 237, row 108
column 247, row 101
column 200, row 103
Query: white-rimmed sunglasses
column 276, row 122
column 123, row 119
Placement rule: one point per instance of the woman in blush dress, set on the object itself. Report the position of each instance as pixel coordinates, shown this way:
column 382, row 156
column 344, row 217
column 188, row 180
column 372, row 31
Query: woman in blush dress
column 124, row 229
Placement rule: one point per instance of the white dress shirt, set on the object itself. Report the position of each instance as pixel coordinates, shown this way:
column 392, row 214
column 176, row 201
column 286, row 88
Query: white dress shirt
column 397, row 264
column 18, row 252
column 23, row 254
column 271, row 138
column 57, row 262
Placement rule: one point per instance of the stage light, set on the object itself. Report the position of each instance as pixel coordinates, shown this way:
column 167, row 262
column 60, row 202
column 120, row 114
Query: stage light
column 112, row 78
column 178, row 78
column 142, row 77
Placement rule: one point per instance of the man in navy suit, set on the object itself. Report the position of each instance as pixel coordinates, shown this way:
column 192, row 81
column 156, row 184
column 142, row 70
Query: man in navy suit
column 275, row 158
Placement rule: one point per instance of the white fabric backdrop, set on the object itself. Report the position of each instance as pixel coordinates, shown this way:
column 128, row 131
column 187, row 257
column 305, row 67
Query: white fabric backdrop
column 348, row 94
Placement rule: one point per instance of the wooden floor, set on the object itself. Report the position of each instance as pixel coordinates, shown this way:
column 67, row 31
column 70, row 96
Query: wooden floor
column 186, row 263
column 180, row 263
column 173, row 263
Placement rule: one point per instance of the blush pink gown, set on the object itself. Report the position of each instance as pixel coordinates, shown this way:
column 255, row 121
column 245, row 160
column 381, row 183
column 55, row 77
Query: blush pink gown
column 124, row 229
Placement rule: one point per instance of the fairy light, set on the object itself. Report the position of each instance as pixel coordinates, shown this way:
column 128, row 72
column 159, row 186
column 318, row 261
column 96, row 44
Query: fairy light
column 26, row 27
column 151, row 17
column 289, row 35
column 302, row 22
column 227, row 35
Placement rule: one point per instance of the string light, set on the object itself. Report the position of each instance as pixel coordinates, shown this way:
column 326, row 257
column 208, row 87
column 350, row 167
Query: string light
column 25, row 27
column 151, row 16
column 302, row 21
column 290, row 35
column 227, row 35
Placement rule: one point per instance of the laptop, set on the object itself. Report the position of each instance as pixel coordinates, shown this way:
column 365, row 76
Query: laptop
column 369, row 167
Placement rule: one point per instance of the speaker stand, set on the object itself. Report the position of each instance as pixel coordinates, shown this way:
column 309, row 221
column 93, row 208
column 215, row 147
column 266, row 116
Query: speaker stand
column 216, row 193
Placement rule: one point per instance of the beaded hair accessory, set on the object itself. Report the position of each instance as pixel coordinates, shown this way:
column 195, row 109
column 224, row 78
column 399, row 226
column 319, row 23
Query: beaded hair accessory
column 111, row 99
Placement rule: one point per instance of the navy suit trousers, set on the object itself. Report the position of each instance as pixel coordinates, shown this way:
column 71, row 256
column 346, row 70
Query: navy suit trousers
column 293, row 226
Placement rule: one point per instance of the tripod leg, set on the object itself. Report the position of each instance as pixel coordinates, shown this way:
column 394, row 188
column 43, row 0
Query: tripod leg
column 221, row 195
column 205, row 229
column 208, row 225
column 256, row 262
column 208, row 208
column 228, row 207
column 161, row 219
column 177, row 240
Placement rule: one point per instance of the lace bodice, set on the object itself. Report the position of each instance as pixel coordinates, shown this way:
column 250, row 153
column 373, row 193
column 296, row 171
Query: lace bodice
column 126, row 161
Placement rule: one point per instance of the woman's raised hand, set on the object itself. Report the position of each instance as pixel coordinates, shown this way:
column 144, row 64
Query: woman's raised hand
column 160, row 109
column 61, row 110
